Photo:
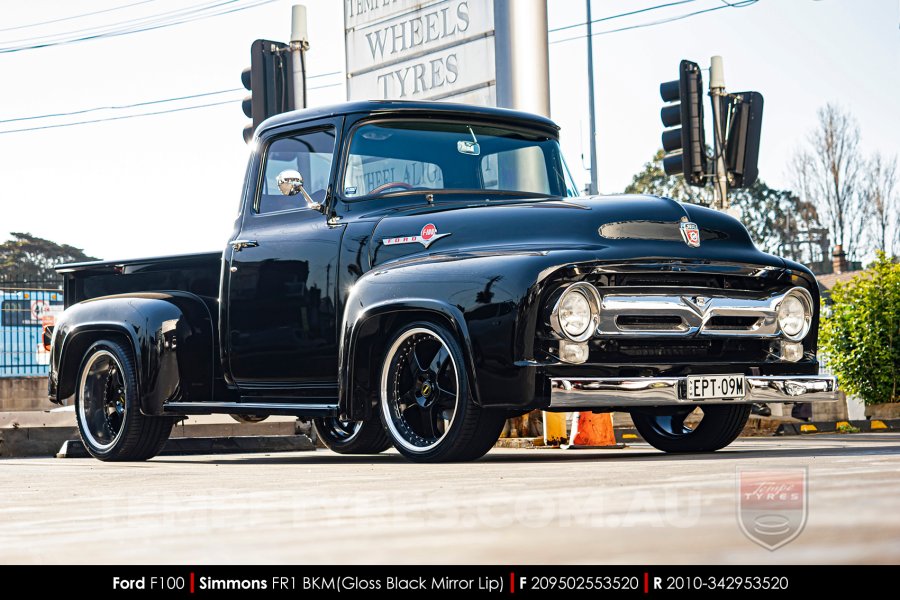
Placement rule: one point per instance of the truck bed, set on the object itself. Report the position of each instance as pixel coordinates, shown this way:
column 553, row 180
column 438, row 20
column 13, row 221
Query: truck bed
column 196, row 273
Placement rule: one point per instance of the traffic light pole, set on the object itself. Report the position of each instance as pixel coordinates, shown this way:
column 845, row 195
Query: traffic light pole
column 592, row 190
column 737, row 124
column 717, row 96
column 299, row 46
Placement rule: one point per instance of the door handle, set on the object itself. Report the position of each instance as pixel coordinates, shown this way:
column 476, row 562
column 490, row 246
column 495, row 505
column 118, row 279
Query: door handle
column 239, row 245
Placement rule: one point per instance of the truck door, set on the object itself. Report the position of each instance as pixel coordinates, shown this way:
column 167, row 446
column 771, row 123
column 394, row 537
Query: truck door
column 281, row 330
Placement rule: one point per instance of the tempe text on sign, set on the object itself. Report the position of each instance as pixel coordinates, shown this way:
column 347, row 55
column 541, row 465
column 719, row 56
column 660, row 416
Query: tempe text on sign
column 420, row 50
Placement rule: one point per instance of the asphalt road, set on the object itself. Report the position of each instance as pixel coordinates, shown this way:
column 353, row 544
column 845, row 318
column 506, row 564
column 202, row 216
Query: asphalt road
column 634, row 505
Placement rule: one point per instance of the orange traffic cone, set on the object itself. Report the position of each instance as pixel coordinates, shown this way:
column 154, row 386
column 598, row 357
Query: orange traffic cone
column 592, row 430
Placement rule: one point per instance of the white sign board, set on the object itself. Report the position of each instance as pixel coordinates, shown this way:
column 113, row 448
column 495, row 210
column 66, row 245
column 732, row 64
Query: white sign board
column 420, row 50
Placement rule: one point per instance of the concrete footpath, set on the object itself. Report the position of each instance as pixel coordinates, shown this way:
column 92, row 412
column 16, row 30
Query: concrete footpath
column 634, row 505
column 41, row 433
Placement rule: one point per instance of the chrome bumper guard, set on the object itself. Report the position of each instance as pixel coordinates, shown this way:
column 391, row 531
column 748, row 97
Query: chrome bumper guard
column 599, row 392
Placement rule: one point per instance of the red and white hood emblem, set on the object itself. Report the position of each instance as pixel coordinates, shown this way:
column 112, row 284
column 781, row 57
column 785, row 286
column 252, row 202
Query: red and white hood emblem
column 690, row 233
column 426, row 237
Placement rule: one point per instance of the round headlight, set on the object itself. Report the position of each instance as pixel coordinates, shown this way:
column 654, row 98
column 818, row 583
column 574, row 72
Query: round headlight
column 574, row 313
column 794, row 316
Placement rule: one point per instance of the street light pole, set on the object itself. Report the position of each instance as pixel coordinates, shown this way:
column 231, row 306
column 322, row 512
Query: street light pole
column 593, row 189
column 299, row 46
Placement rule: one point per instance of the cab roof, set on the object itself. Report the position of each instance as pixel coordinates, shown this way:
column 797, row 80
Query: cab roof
column 401, row 108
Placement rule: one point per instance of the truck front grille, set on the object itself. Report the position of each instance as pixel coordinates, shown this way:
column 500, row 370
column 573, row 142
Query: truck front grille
column 732, row 323
column 649, row 351
column 651, row 322
column 681, row 281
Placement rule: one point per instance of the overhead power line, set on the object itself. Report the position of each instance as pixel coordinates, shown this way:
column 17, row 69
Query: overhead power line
column 159, row 101
column 118, row 107
column 620, row 15
column 149, row 114
column 137, row 104
column 151, row 23
column 166, row 16
column 318, row 75
column 73, row 17
column 741, row 4
column 330, row 85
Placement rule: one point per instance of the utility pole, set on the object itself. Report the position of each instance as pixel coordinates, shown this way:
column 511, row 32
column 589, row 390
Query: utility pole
column 299, row 46
column 593, row 118
column 717, row 97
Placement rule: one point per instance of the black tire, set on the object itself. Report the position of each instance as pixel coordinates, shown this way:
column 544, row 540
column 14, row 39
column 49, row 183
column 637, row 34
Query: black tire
column 665, row 430
column 249, row 418
column 108, row 408
column 352, row 437
column 416, row 401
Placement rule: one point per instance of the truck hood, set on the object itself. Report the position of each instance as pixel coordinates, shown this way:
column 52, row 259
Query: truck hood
column 620, row 227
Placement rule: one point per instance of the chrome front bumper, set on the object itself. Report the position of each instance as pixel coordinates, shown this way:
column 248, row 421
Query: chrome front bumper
column 600, row 392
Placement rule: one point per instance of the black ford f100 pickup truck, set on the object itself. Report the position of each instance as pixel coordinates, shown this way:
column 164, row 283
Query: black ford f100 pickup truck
column 412, row 274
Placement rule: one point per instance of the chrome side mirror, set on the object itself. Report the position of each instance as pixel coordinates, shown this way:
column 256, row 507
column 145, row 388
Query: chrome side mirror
column 290, row 183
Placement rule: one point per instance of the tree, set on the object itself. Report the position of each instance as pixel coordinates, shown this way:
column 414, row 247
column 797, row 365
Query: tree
column 653, row 180
column 879, row 193
column 861, row 337
column 829, row 173
column 775, row 219
column 29, row 259
column 778, row 220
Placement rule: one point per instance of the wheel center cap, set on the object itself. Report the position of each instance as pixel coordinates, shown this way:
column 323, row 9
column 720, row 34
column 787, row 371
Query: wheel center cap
column 427, row 389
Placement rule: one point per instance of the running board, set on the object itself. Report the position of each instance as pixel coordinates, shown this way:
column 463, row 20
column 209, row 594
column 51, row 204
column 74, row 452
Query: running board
column 252, row 408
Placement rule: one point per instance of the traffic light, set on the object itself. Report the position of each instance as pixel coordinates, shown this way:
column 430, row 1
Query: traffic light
column 684, row 141
column 742, row 146
column 270, row 82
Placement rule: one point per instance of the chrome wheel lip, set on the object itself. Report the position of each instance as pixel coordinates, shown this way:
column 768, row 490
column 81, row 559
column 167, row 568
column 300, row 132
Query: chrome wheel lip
column 82, row 416
column 385, row 402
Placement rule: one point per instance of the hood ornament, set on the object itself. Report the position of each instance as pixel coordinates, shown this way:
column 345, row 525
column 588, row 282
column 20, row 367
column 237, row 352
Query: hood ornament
column 426, row 237
column 700, row 304
column 690, row 233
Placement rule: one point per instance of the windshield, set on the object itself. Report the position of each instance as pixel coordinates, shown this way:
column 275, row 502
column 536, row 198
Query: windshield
column 401, row 157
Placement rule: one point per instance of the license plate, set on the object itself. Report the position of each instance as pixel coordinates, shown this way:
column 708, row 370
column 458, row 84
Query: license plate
column 710, row 387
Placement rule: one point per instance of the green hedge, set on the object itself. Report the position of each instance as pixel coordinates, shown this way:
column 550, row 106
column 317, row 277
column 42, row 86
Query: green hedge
column 861, row 336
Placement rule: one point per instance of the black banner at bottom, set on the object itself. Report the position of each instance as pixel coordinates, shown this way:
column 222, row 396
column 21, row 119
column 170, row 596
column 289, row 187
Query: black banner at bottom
column 510, row 580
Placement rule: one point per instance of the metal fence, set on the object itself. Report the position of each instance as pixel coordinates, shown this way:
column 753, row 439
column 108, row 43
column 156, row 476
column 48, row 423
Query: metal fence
column 25, row 308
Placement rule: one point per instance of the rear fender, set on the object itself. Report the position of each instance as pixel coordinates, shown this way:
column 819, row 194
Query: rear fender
column 171, row 336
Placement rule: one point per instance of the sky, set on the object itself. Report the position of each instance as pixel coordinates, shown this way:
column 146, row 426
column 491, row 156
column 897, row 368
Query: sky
column 170, row 183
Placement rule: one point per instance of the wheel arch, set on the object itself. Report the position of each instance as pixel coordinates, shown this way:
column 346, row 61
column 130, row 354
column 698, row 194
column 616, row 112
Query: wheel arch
column 76, row 344
column 365, row 340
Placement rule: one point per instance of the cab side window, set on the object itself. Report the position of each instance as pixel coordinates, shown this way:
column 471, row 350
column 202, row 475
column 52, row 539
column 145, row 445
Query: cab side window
column 311, row 154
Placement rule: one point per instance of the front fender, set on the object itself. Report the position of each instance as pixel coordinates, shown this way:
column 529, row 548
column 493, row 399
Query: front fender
column 170, row 335
column 493, row 316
